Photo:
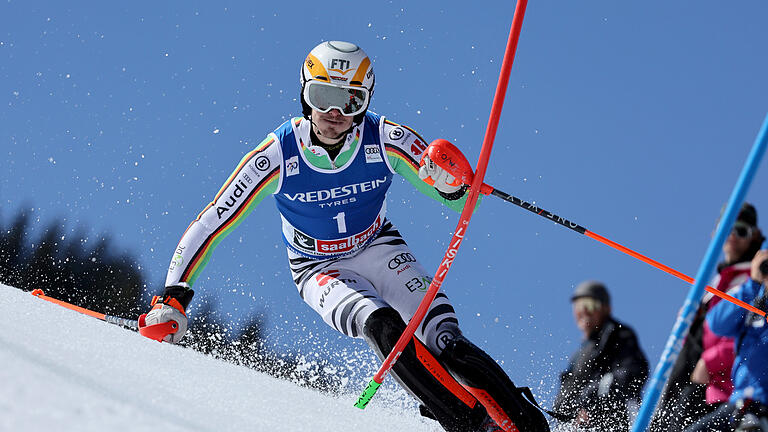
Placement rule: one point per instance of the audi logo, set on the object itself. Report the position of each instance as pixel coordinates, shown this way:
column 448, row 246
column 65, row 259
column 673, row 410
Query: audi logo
column 401, row 259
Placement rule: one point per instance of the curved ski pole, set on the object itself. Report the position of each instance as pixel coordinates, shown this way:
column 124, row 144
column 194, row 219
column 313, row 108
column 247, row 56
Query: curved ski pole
column 466, row 214
column 133, row 324
column 450, row 158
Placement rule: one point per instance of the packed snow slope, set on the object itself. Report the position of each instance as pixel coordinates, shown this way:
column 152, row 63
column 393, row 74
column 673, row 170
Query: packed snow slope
column 63, row 371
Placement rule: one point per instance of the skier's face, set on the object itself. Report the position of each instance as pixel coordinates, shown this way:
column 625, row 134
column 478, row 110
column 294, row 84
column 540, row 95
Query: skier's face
column 329, row 127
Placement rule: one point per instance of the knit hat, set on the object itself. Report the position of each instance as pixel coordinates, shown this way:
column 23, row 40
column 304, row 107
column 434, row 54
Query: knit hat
column 593, row 289
column 748, row 214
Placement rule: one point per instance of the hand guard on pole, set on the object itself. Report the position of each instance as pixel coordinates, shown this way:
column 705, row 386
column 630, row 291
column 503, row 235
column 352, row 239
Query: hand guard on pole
column 167, row 321
column 436, row 176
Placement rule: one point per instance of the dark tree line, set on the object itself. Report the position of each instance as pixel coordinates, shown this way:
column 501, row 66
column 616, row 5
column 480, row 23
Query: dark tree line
column 89, row 273
column 70, row 267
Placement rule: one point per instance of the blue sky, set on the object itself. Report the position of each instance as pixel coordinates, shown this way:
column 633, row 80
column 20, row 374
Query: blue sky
column 631, row 119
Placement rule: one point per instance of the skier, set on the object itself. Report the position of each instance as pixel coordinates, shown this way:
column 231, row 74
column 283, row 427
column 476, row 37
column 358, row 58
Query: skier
column 329, row 172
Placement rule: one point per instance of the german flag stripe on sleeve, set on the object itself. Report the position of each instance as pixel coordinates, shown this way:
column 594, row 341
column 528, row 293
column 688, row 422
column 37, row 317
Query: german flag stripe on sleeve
column 247, row 158
column 259, row 148
column 387, row 121
column 401, row 153
column 203, row 254
column 269, row 140
column 396, row 152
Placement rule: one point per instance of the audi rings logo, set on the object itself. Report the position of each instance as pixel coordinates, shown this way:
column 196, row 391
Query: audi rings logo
column 401, row 259
column 372, row 154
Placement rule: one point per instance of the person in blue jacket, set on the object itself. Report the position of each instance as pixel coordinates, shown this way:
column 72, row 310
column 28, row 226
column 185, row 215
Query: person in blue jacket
column 750, row 369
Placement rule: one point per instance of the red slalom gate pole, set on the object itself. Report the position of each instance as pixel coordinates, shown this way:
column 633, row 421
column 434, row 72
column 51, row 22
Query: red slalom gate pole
column 466, row 214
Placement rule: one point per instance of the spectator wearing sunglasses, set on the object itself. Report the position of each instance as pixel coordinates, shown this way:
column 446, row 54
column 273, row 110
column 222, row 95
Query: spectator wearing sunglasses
column 604, row 378
column 747, row 405
column 700, row 381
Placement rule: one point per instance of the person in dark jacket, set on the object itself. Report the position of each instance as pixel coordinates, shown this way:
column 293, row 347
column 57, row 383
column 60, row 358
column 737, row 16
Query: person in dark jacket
column 604, row 379
column 700, row 381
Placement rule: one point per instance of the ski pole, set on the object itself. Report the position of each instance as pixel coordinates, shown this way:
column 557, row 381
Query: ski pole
column 450, row 158
column 133, row 324
column 155, row 331
column 466, row 214
column 566, row 223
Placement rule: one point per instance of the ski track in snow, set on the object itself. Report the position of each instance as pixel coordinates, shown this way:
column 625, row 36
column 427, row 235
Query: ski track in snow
column 64, row 371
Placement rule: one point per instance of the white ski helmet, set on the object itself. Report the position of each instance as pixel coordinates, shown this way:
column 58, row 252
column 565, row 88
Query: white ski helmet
column 338, row 75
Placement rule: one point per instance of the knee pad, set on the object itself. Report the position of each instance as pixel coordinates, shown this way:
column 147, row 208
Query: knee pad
column 382, row 329
column 488, row 382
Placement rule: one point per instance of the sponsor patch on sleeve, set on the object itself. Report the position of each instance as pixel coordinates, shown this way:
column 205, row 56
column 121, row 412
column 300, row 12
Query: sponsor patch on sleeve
column 396, row 133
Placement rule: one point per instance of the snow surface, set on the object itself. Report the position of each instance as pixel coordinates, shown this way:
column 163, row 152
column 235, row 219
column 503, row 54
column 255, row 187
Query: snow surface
column 61, row 371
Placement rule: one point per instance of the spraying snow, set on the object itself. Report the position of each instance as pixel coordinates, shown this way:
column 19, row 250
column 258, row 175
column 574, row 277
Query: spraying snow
column 65, row 371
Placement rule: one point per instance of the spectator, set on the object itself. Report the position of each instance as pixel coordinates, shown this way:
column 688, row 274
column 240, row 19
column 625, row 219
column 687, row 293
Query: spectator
column 750, row 369
column 605, row 376
column 700, row 379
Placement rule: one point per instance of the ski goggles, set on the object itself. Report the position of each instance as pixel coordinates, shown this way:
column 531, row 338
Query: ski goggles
column 741, row 230
column 587, row 304
column 324, row 97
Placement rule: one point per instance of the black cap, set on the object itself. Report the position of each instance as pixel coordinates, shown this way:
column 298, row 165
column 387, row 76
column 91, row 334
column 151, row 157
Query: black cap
column 748, row 214
column 593, row 289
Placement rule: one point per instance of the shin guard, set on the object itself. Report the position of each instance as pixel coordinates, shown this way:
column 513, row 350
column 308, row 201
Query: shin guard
column 421, row 375
column 490, row 385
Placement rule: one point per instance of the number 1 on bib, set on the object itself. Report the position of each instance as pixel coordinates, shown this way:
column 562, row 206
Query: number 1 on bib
column 341, row 223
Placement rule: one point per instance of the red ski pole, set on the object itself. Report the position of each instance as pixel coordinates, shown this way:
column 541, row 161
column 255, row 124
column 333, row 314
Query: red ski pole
column 104, row 317
column 466, row 214
column 155, row 332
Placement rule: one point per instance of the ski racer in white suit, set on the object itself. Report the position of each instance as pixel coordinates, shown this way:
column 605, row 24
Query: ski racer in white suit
column 329, row 172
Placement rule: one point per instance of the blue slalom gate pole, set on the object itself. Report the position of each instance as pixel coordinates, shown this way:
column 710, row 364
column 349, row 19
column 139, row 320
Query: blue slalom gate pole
column 683, row 323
